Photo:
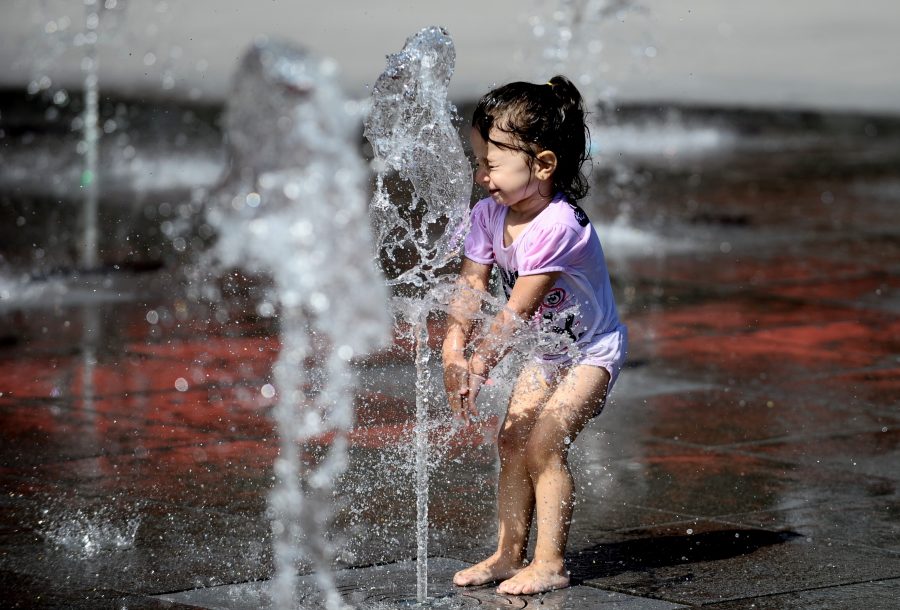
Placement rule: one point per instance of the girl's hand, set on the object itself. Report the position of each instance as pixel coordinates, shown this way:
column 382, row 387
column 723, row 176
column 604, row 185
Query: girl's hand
column 456, row 383
column 475, row 382
column 477, row 376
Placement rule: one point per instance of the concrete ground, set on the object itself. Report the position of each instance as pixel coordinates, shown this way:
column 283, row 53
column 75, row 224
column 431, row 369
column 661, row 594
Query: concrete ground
column 749, row 458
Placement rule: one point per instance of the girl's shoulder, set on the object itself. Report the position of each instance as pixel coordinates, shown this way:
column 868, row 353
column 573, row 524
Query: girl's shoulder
column 486, row 210
column 561, row 211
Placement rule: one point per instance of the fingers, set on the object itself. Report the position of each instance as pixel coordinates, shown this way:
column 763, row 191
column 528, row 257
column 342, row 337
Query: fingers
column 463, row 412
column 473, row 387
column 463, row 388
column 457, row 389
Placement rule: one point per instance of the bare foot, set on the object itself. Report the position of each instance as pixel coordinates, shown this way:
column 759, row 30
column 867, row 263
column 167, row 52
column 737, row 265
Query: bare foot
column 496, row 567
column 536, row 578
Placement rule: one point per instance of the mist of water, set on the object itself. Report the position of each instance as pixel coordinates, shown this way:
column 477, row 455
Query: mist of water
column 293, row 208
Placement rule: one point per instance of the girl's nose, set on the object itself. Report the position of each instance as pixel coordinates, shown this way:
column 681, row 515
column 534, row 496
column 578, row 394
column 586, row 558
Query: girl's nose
column 480, row 176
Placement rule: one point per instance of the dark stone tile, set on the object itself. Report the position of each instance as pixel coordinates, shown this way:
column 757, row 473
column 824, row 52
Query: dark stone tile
column 46, row 433
column 873, row 522
column 24, row 591
column 222, row 474
column 147, row 548
column 717, row 563
column 666, row 545
column 33, row 377
column 859, row 393
column 877, row 290
column 872, row 453
column 864, row 596
column 741, row 338
column 594, row 522
column 707, row 483
column 741, row 416
column 394, row 585
column 695, row 483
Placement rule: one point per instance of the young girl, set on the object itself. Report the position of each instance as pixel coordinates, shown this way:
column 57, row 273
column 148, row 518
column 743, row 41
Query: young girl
column 530, row 143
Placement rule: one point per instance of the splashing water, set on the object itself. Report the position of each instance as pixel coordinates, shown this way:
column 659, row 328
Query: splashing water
column 292, row 207
column 88, row 534
column 411, row 129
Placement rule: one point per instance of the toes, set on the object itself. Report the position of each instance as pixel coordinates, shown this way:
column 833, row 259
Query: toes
column 509, row 588
column 532, row 586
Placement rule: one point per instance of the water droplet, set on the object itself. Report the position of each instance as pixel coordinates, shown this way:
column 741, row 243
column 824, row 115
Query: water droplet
column 292, row 190
column 268, row 390
column 318, row 301
column 181, row 384
column 265, row 309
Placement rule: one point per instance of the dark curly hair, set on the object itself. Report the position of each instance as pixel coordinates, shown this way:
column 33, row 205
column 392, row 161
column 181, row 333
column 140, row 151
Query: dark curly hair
column 550, row 116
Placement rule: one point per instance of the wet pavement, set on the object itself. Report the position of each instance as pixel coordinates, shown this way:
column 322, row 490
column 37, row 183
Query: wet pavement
column 749, row 457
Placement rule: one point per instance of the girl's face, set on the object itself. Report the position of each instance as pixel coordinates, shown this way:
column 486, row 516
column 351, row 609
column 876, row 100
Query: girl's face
column 505, row 173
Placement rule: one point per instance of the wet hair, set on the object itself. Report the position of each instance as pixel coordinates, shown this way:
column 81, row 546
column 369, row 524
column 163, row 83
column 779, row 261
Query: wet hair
column 539, row 117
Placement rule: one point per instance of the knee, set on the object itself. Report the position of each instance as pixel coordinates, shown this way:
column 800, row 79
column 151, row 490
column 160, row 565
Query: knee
column 511, row 443
column 542, row 455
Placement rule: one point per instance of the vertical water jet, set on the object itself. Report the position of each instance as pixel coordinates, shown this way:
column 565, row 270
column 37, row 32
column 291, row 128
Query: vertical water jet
column 412, row 132
column 292, row 208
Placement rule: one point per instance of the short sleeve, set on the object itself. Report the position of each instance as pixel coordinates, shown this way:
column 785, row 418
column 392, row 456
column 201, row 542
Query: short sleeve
column 553, row 248
column 479, row 242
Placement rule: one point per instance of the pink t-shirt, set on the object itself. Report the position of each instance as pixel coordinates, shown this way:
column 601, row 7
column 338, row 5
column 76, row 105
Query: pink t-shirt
column 579, row 307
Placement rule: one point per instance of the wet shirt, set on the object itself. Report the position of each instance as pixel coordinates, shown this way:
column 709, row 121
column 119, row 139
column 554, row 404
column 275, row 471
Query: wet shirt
column 579, row 307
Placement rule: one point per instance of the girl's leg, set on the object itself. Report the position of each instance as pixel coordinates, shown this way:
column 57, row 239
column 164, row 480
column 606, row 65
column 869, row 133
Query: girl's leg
column 575, row 401
column 515, row 493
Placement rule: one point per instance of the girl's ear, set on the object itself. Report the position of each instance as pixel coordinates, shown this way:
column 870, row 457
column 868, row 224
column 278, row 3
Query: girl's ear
column 546, row 164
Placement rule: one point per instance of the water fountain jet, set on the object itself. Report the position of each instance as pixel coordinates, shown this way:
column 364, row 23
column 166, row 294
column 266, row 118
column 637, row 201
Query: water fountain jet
column 292, row 207
column 411, row 129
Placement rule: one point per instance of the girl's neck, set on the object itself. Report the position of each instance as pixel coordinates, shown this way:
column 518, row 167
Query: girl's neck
column 527, row 209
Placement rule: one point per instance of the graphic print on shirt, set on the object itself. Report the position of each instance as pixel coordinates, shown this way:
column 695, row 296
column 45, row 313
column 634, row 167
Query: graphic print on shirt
column 580, row 215
column 508, row 279
column 559, row 315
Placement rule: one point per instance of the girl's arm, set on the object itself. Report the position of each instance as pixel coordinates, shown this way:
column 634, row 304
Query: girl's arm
column 526, row 296
column 466, row 303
